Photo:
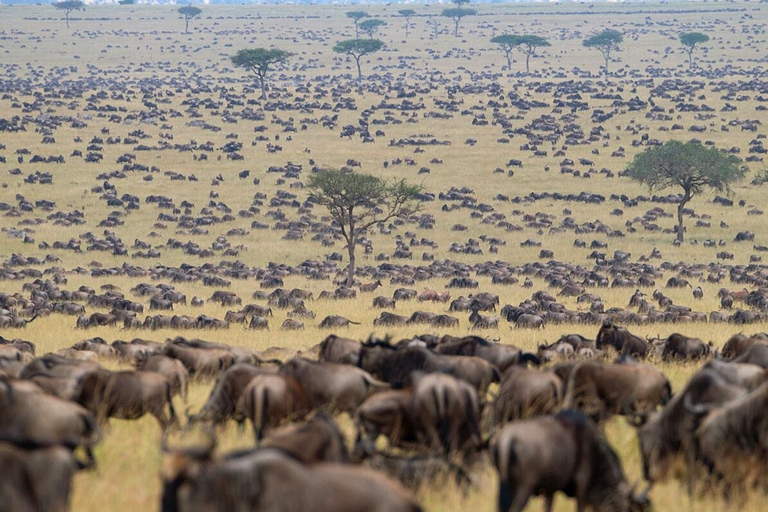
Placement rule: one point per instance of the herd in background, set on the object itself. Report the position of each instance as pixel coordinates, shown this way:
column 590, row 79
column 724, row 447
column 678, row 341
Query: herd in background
column 443, row 405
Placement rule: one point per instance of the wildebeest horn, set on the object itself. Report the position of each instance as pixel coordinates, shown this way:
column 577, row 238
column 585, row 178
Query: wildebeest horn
column 696, row 409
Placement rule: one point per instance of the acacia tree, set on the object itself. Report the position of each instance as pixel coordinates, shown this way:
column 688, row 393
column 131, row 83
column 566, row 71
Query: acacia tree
column 358, row 201
column 356, row 16
column 259, row 61
column 68, row 6
column 605, row 42
column 189, row 12
column 508, row 42
column 357, row 48
column 407, row 14
column 457, row 13
column 371, row 26
column 435, row 22
column 690, row 40
column 690, row 166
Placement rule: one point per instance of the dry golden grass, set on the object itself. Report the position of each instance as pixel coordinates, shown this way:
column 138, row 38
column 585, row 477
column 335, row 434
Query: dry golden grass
column 129, row 44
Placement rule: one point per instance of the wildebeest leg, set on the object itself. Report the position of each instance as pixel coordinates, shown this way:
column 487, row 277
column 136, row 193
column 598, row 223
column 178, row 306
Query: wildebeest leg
column 548, row 499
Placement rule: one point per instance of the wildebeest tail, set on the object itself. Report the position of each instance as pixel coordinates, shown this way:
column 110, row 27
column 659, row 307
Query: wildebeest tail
column 356, row 323
column 443, row 424
column 504, row 466
column 261, row 415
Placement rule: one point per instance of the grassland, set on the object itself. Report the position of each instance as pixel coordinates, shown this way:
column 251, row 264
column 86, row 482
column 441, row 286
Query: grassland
column 138, row 55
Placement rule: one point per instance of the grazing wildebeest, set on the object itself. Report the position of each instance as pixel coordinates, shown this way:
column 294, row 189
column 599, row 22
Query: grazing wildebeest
column 731, row 439
column 565, row 453
column 395, row 365
column 269, row 400
column 525, row 393
column 36, row 477
column 739, row 343
column 29, row 415
column 222, row 401
column 680, row 347
column 529, row 321
column 315, row 440
column 666, row 436
column 334, row 386
column 195, row 481
column 173, row 369
column 388, row 413
column 501, row 356
column 387, row 318
column 202, row 363
column 446, row 413
column 336, row 321
column 621, row 340
column 127, row 395
column 334, row 349
column 602, row 390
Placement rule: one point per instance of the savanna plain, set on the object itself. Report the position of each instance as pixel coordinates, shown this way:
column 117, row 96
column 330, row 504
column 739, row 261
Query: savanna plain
column 441, row 111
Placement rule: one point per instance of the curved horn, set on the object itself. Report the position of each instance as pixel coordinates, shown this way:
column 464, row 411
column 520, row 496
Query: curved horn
column 696, row 409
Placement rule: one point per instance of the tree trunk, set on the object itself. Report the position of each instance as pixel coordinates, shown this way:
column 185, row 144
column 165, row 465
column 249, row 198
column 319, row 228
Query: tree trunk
column 690, row 58
column 186, row 25
column 509, row 63
column 456, row 28
column 351, row 267
column 66, row 16
column 680, row 208
column 407, row 26
column 606, row 66
column 527, row 63
column 359, row 72
column 357, row 31
column 263, row 89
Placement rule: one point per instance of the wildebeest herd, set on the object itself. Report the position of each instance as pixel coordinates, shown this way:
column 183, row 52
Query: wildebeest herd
column 175, row 326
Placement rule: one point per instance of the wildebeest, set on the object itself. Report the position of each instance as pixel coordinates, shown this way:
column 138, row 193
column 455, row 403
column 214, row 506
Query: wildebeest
column 334, row 386
column 336, row 321
column 731, row 439
column 601, row 390
column 195, row 481
column 680, row 347
column 127, row 395
column 396, row 365
column 501, row 356
column 335, row 349
column 621, row 340
column 317, row 439
column 36, row 477
column 525, row 393
column 739, row 343
column 29, row 415
column 173, row 369
column 446, row 413
column 563, row 453
column 388, row 413
column 269, row 400
column 202, row 363
column 666, row 436
column 222, row 400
